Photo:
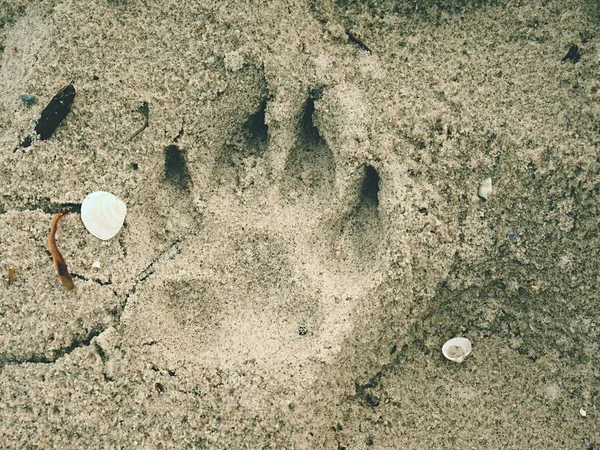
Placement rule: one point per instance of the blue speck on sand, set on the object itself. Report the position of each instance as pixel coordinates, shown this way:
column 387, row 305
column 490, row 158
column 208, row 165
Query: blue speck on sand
column 28, row 100
column 512, row 237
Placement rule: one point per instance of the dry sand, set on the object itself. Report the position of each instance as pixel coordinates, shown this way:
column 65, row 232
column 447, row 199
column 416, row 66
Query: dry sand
column 289, row 271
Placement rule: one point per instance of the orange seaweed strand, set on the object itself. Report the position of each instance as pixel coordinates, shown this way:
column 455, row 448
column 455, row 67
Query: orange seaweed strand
column 59, row 261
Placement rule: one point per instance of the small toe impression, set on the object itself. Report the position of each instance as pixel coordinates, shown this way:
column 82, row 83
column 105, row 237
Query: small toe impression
column 245, row 146
column 362, row 229
column 310, row 168
column 309, row 131
column 369, row 195
column 256, row 130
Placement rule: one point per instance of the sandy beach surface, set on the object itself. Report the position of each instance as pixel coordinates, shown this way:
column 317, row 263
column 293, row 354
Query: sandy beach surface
column 303, row 229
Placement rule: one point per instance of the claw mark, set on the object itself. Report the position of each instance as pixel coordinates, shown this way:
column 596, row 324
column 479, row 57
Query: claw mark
column 59, row 261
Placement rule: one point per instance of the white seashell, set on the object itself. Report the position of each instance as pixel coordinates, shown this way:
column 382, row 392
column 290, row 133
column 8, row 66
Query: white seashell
column 485, row 188
column 457, row 349
column 96, row 265
column 103, row 214
column 582, row 412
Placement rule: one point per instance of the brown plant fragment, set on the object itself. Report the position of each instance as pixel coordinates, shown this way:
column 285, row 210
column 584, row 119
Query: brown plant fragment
column 10, row 273
column 59, row 261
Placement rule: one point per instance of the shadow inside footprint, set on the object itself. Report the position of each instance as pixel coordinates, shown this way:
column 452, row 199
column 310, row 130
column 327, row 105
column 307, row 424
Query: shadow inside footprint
column 369, row 194
column 309, row 131
column 310, row 169
column 244, row 148
column 362, row 228
column 176, row 171
column 256, row 130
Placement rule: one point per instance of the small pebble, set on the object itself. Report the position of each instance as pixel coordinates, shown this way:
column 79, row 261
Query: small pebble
column 485, row 188
column 582, row 412
column 573, row 55
column 512, row 237
column 96, row 265
column 28, row 100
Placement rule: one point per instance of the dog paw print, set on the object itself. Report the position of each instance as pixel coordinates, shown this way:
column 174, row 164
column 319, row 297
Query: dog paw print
column 295, row 238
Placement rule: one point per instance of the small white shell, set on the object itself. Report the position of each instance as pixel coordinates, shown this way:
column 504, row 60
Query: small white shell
column 96, row 265
column 457, row 349
column 103, row 214
column 485, row 188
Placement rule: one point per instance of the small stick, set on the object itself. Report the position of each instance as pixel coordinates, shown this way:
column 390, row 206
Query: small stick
column 145, row 110
column 59, row 261
column 352, row 38
column 11, row 275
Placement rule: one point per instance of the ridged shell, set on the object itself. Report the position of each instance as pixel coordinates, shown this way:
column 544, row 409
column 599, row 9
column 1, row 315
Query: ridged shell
column 457, row 349
column 103, row 214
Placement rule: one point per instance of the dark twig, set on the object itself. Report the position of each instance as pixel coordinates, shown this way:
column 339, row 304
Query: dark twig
column 145, row 110
column 352, row 38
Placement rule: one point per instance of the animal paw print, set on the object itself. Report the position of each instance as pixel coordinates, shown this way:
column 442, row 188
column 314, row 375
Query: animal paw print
column 291, row 242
